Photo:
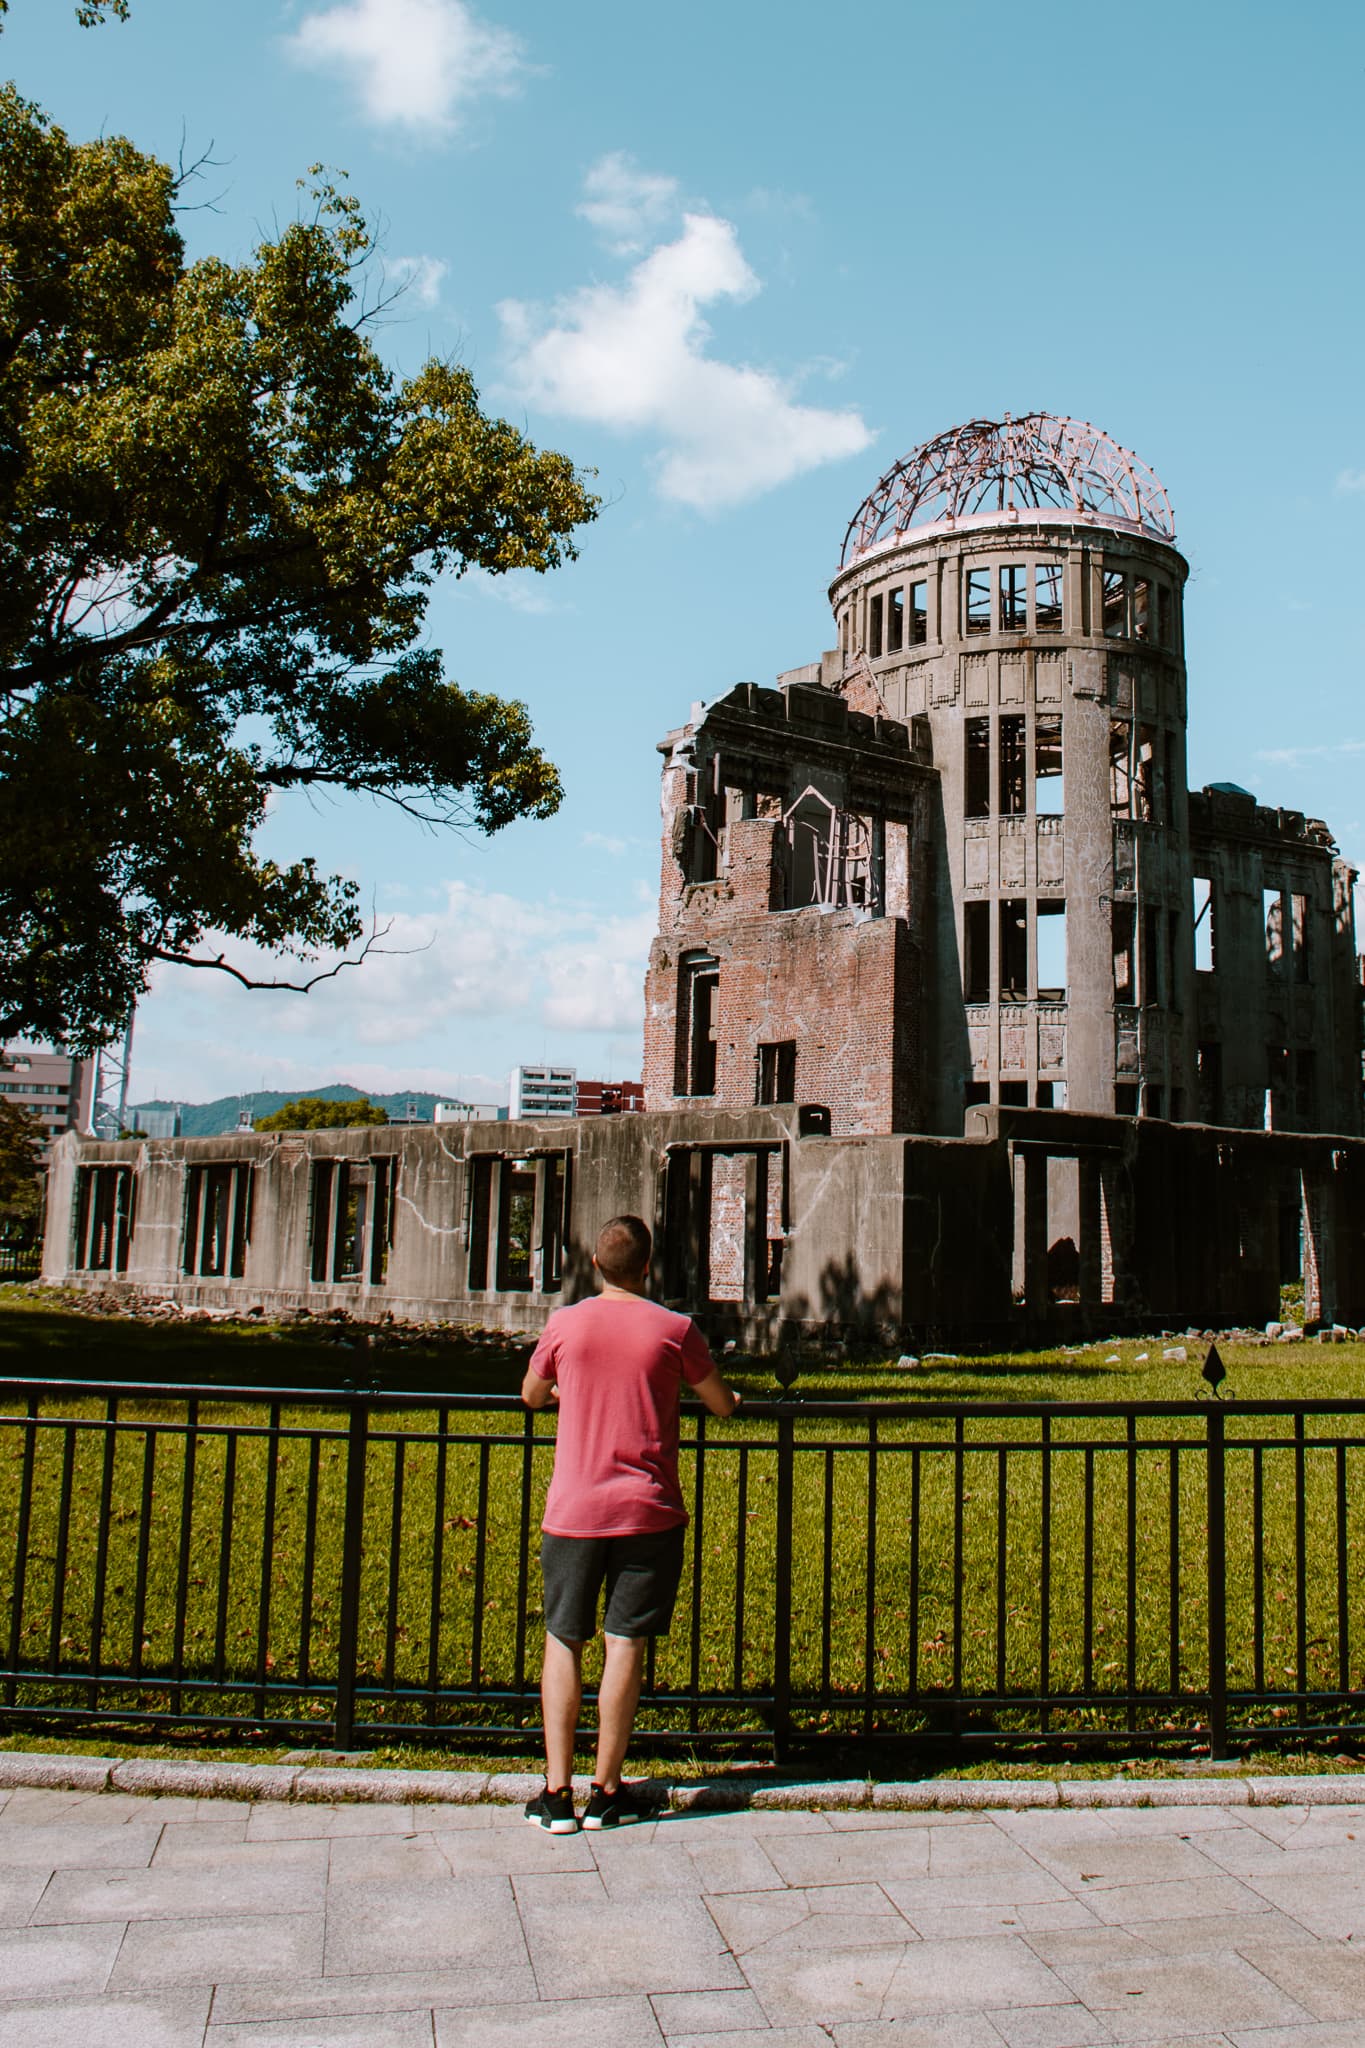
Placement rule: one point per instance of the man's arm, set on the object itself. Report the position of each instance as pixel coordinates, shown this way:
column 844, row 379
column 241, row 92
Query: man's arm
column 713, row 1393
column 537, row 1392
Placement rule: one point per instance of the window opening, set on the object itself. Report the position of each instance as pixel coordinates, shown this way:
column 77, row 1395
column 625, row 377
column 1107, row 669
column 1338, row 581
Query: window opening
column 777, row 1071
column 975, row 1092
column 384, row 1213
column 1047, row 597
column 1151, row 1100
column 1052, row 952
column 352, row 1217
column 1177, row 1105
column 874, row 627
column 556, row 1225
column 1014, row 1094
column 1124, row 915
column 105, row 1213
column 1142, row 608
column 1210, row 1069
column 217, row 1220
column 1120, row 768
column 978, row 768
column 919, row 614
column 1125, row 1098
column 320, row 1217
column 1168, row 791
column 976, row 946
column 1145, row 780
column 1013, row 598
column 516, row 1224
column 1299, row 936
column 829, row 856
column 480, row 1219
column 1113, row 604
column 1048, row 797
column 1276, row 1087
column 1012, row 767
column 1163, row 615
column 1172, row 958
column 1273, row 907
column 1151, row 956
column 895, row 621
column 978, row 600
column 1204, row 952
column 1305, row 1090
column 1013, row 952
column 698, row 993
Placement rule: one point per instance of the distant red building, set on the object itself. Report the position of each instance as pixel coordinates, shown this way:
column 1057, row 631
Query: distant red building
column 610, row 1098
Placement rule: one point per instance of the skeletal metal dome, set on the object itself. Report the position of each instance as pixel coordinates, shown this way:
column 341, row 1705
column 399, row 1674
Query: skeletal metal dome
column 1040, row 465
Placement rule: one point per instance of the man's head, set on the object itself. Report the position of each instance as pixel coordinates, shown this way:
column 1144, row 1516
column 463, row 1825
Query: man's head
column 622, row 1253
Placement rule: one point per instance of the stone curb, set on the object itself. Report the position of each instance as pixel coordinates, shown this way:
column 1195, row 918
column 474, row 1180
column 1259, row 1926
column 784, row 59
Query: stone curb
column 167, row 1778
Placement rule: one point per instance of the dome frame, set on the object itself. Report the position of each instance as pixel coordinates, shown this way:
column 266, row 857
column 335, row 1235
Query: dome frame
column 983, row 469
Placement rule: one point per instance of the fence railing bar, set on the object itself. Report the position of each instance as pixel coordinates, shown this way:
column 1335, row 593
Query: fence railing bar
column 1130, row 1551
column 1173, row 1660
column 272, row 1464
column 741, row 1565
column 827, row 1574
column 870, row 1597
column 698, row 1553
column 1045, row 1591
column 144, row 1548
column 227, row 1524
column 1001, row 1566
column 528, row 1445
column 1343, row 1584
column 438, row 1538
column 60, row 1552
column 1088, row 1572
column 480, row 1566
column 101, row 1554
column 913, row 1610
column 1258, row 1566
column 186, row 1541
column 19, row 1574
column 310, row 1552
column 1217, row 1583
column 1300, row 1562
column 393, row 1589
column 352, row 1559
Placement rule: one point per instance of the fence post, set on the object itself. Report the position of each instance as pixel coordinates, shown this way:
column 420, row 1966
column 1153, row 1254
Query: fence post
column 352, row 1558
column 782, row 1592
column 1217, row 1568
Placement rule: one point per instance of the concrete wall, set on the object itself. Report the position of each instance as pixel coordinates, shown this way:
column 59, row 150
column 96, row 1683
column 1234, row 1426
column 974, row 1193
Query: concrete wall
column 758, row 1229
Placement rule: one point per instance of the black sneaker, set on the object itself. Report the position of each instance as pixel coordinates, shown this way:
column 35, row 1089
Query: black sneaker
column 553, row 1811
column 615, row 1809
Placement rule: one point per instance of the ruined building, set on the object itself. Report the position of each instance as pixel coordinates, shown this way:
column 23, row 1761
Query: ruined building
column 956, row 861
column 965, row 1015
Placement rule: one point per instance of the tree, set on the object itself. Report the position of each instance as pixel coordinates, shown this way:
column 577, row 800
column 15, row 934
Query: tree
column 315, row 1113
column 88, row 12
column 220, row 519
column 21, row 1138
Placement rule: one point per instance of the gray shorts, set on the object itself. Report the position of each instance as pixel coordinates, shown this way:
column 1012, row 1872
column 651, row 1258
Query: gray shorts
column 641, row 1574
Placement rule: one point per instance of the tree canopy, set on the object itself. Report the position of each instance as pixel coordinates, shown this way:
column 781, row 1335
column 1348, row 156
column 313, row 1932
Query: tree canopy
column 317, row 1113
column 220, row 519
column 21, row 1137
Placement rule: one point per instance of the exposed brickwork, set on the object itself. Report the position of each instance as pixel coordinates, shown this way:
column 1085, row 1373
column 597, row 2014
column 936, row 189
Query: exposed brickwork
column 760, row 799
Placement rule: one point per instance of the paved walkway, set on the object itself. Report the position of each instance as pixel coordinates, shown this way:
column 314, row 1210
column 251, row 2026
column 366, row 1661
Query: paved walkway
column 129, row 1921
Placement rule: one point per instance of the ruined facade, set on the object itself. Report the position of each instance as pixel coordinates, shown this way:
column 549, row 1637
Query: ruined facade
column 965, row 1018
column 1011, row 598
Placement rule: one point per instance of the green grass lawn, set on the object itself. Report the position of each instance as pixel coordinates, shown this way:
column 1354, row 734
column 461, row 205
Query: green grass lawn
column 959, row 1610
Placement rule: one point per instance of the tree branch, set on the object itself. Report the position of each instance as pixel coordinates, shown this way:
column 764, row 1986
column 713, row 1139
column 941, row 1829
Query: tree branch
column 301, row 988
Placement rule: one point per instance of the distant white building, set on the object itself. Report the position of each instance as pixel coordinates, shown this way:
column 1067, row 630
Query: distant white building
column 543, row 1091
column 160, row 1123
column 468, row 1112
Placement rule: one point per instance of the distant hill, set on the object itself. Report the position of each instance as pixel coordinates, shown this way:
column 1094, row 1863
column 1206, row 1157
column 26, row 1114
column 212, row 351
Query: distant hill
column 211, row 1119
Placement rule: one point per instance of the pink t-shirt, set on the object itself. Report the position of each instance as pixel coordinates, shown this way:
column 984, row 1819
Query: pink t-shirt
column 620, row 1362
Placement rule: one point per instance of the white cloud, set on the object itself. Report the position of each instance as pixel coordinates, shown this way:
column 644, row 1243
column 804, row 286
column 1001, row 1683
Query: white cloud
column 523, row 589
column 604, row 842
column 624, row 203
column 597, row 984
column 420, row 275
column 1351, row 480
column 545, row 964
column 632, row 357
column 415, row 64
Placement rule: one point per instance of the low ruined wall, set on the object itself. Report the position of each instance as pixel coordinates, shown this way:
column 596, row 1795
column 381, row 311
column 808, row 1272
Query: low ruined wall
column 1036, row 1225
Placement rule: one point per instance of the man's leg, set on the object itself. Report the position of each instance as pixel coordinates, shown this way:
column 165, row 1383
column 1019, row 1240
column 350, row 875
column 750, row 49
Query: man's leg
column 561, row 1691
column 616, row 1703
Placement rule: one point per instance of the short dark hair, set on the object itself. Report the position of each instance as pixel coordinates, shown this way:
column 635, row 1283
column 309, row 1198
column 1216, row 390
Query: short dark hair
column 623, row 1249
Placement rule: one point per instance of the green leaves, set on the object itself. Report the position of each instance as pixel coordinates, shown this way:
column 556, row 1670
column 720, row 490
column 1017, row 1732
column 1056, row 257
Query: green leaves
column 216, row 504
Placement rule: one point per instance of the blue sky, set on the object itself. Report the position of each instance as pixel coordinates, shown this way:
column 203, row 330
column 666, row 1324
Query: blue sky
column 738, row 260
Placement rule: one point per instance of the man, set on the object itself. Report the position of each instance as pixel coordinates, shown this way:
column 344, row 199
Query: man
column 616, row 1365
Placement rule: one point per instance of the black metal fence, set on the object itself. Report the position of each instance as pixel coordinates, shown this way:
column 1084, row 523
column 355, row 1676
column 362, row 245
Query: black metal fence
column 21, row 1261
column 361, row 1568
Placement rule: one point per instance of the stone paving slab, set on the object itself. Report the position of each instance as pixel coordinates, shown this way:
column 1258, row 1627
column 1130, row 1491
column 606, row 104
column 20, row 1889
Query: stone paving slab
column 141, row 1914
